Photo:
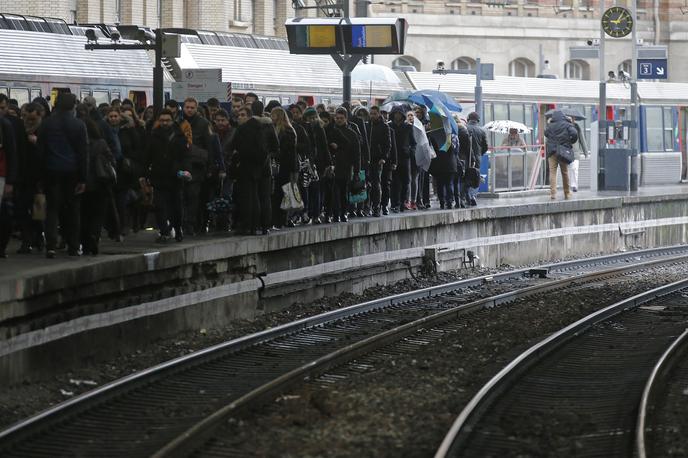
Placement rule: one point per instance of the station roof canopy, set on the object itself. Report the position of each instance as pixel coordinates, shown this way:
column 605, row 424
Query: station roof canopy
column 346, row 35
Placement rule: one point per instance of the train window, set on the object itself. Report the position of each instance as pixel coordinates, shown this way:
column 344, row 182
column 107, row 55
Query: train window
column 16, row 22
column 84, row 93
column 654, row 123
column 35, row 93
column 500, row 111
column 38, row 24
column 4, row 90
column 58, row 26
column 271, row 98
column 668, row 129
column 3, row 23
column 115, row 95
column 20, row 94
column 101, row 97
column 517, row 113
column 286, row 100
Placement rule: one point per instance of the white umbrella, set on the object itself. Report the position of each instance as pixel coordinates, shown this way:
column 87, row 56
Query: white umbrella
column 371, row 73
column 503, row 127
column 374, row 73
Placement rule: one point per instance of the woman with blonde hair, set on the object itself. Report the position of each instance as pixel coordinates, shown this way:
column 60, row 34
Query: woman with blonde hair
column 287, row 161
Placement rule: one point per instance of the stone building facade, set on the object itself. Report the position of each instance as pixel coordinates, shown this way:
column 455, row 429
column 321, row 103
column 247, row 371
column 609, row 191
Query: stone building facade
column 521, row 37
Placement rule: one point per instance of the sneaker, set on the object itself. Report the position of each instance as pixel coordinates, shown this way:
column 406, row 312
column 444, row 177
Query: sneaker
column 50, row 254
column 473, row 202
column 574, row 189
column 413, row 206
column 395, row 209
column 385, row 211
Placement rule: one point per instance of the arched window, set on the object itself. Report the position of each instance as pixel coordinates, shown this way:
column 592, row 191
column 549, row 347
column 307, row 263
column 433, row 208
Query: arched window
column 406, row 61
column 626, row 66
column 521, row 67
column 463, row 63
column 577, row 70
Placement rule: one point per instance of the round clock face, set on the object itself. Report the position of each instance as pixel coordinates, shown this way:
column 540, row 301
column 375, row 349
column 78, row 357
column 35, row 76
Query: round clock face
column 617, row 22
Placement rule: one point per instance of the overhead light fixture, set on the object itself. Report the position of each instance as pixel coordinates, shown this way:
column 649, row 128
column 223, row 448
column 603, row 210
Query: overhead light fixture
column 91, row 36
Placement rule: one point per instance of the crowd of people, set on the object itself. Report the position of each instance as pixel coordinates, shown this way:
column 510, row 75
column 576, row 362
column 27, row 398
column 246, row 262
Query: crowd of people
column 72, row 173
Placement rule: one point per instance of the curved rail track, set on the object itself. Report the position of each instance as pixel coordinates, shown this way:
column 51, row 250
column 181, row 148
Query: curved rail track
column 578, row 391
column 158, row 410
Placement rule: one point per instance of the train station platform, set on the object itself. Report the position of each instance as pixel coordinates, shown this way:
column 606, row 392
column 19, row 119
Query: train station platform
column 52, row 310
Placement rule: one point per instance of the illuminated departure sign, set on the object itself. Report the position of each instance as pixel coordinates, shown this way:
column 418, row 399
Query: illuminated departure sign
column 346, row 36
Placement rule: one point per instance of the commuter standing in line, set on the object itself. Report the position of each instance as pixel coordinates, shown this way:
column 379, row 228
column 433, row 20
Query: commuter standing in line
column 8, row 173
column 303, row 152
column 113, row 119
column 380, row 147
column 461, row 199
column 63, row 143
column 167, row 160
column 346, row 148
column 98, row 185
column 28, row 183
column 199, row 156
column 405, row 146
column 288, row 161
column 320, row 161
column 478, row 148
column 559, row 132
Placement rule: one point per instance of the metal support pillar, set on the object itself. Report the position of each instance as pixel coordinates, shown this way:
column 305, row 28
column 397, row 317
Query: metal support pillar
column 478, row 89
column 158, row 74
column 635, row 130
column 602, row 115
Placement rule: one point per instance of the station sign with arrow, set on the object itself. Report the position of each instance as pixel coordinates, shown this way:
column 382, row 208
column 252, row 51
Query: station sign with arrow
column 653, row 69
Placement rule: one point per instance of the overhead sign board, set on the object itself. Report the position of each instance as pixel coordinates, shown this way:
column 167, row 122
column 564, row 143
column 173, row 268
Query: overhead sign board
column 201, row 90
column 201, row 74
column 653, row 69
column 584, row 52
column 346, row 36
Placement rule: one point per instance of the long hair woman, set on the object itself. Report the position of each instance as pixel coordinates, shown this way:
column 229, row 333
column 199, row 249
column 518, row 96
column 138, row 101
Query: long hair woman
column 287, row 161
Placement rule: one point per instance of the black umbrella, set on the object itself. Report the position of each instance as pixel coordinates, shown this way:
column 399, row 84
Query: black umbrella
column 570, row 112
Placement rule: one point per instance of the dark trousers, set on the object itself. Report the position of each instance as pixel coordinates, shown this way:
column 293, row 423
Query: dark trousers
column 59, row 193
column 327, row 195
column 93, row 211
column 169, row 208
column 279, row 216
column 341, row 196
column 445, row 191
column 401, row 180
column 192, row 200
column 386, row 184
column 314, row 201
column 423, row 187
column 457, row 189
column 256, row 208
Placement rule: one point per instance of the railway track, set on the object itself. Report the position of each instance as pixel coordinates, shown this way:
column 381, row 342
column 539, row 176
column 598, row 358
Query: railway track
column 146, row 412
column 578, row 391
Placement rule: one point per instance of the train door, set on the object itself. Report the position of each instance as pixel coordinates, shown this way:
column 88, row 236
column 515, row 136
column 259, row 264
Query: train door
column 139, row 99
column 54, row 92
column 35, row 93
column 309, row 99
column 682, row 132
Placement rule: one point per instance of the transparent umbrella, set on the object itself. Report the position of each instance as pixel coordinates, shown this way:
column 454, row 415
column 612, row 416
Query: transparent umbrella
column 504, row 126
column 373, row 73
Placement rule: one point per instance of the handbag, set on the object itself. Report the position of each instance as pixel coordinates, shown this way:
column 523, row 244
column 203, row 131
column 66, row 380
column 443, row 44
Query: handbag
column 565, row 154
column 357, row 189
column 292, row 198
column 104, row 169
column 39, row 207
column 472, row 177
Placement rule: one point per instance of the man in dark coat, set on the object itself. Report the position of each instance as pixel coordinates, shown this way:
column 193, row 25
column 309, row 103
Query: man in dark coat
column 380, row 142
column 405, row 147
column 9, row 170
column 255, row 142
column 346, row 149
column 168, row 156
column 478, row 148
column 560, row 132
column 63, row 146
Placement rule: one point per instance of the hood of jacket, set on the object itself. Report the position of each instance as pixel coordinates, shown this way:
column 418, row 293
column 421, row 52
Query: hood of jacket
column 558, row 115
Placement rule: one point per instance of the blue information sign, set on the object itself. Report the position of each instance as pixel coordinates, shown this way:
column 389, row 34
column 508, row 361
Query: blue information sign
column 653, row 69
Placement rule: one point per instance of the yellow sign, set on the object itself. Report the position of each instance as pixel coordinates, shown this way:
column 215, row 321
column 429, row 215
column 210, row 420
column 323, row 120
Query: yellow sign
column 321, row 36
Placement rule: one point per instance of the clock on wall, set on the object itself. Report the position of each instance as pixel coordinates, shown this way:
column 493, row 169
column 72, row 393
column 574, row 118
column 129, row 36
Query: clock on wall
column 617, row 22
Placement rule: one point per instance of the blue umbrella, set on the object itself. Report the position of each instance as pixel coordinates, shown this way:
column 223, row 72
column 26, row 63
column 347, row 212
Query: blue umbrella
column 419, row 97
column 441, row 120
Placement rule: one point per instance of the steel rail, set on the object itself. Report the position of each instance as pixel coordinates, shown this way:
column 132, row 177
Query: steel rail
column 655, row 382
column 157, row 372
column 194, row 437
column 487, row 395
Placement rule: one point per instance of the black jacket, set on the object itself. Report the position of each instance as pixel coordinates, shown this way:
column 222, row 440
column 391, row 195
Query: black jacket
column 479, row 144
column 559, row 131
column 379, row 139
column 347, row 155
column 256, row 144
column 403, row 138
column 288, row 157
column 9, row 151
column 167, row 154
column 63, row 144
column 320, row 151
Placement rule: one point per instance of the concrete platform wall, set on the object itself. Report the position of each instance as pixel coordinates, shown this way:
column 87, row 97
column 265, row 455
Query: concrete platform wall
column 57, row 318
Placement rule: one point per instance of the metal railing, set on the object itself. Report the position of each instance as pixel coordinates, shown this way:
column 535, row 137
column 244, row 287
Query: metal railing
column 516, row 168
